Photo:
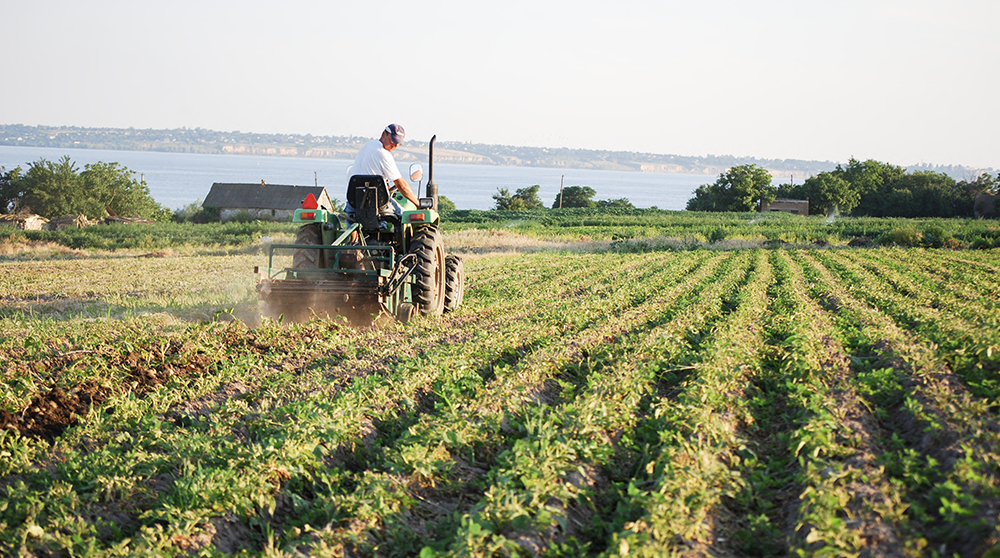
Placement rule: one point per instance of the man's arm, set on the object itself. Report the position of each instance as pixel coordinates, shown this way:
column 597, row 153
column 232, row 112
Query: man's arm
column 405, row 189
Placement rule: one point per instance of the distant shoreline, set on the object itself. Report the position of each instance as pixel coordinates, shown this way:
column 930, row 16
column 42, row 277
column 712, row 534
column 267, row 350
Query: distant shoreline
column 184, row 140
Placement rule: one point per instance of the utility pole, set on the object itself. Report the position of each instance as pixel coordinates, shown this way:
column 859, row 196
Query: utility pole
column 316, row 179
column 561, row 181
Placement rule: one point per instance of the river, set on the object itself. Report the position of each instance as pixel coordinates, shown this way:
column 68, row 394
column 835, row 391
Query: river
column 178, row 179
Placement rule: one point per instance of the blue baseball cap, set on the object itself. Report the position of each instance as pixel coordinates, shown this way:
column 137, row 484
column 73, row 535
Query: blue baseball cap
column 397, row 132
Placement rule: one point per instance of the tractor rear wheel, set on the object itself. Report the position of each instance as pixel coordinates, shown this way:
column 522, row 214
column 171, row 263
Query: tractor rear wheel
column 304, row 258
column 429, row 273
column 454, row 284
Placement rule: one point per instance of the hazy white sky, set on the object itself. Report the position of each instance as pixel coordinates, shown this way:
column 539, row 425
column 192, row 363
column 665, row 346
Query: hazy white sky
column 903, row 81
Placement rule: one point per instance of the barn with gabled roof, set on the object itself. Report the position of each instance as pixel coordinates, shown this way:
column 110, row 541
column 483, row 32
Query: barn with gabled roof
column 262, row 201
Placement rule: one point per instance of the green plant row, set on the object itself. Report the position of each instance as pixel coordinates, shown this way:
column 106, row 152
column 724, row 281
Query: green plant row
column 938, row 449
column 755, row 402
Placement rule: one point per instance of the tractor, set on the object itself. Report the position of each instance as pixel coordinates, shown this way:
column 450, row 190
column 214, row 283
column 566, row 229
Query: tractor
column 373, row 263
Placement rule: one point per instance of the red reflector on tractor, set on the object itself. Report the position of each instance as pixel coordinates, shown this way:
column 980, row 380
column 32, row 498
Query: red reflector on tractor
column 416, row 217
column 310, row 202
column 310, row 215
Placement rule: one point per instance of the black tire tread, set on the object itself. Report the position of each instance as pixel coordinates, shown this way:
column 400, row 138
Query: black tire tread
column 428, row 247
column 454, row 290
column 310, row 234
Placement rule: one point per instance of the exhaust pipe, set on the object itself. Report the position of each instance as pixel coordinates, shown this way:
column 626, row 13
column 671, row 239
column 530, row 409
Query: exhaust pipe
column 432, row 188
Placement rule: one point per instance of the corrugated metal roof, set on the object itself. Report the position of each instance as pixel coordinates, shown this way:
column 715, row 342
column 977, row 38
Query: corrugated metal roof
column 259, row 196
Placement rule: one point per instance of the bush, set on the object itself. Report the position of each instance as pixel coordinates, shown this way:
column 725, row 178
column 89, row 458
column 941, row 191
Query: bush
column 445, row 205
column 902, row 236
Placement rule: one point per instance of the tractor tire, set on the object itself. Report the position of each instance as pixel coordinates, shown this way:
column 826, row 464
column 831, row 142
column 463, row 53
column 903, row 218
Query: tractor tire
column 309, row 259
column 454, row 283
column 429, row 274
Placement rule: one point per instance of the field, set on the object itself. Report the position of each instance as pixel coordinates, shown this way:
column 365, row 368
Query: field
column 595, row 396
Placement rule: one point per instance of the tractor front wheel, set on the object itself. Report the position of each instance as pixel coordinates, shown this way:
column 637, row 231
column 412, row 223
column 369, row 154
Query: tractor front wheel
column 429, row 273
column 454, row 289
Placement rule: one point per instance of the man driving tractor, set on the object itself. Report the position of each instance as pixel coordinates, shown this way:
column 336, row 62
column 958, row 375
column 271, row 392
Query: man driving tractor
column 375, row 158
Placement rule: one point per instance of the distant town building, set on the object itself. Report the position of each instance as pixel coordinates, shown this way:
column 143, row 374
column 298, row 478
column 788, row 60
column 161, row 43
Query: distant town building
column 798, row 207
column 262, row 201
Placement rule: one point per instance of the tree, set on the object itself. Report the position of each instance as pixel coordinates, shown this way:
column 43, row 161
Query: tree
column 617, row 203
column 529, row 196
column 523, row 199
column 828, row 192
column 56, row 189
column 983, row 184
column 741, row 188
column 115, row 188
column 870, row 176
column 445, row 205
column 576, row 196
column 504, row 201
column 11, row 190
column 873, row 180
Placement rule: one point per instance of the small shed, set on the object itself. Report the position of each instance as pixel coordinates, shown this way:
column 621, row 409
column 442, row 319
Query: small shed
column 798, row 207
column 262, row 201
column 24, row 221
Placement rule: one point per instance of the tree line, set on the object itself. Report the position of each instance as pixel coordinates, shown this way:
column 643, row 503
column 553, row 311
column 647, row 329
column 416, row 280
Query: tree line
column 54, row 189
column 861, row 188
column 570, row 196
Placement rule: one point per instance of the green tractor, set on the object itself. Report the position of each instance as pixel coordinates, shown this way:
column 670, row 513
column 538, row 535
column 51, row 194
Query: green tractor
column 377, row 262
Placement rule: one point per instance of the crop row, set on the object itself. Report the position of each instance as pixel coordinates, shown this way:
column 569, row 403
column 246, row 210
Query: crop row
column 760, row 402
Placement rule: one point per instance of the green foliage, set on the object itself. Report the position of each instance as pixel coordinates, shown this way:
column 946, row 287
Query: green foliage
column 690, row 228
column 741, row 188
column 751, row 403
column 445, row 205
column 575, row 196
column 902, row 236
column 827, row 192
column 160, row 235
column 889, row 191
column 195, row 213
column 862, row 188
column 11, row 190
column 617, row 203
column 983, row 184
column 869, row 176
column 115, row 187
column 56, row 189
column 525, row 199
column 186, row 213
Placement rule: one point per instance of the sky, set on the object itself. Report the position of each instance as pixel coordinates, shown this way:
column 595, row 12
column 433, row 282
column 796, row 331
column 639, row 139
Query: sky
column 905, row 82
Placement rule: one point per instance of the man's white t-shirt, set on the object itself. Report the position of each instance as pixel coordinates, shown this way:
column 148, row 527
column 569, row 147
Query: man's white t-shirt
column 374, row 159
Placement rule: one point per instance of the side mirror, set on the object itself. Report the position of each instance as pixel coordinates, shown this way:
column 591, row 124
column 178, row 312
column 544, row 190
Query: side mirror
column 416, row 172
column 426, row 203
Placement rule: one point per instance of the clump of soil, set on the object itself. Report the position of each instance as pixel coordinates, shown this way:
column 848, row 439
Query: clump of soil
column 51, row 413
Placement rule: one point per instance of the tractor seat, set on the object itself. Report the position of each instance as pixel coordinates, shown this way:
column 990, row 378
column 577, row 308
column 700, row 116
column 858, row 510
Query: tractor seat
column 368, row 195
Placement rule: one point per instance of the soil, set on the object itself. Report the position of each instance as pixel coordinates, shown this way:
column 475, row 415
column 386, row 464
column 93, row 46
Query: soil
column 50, row 413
